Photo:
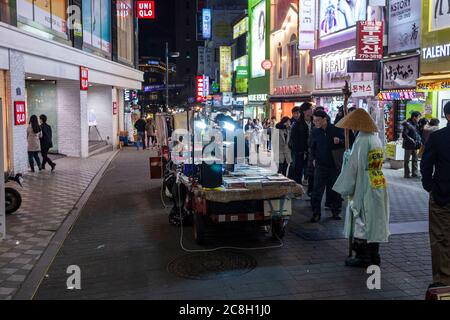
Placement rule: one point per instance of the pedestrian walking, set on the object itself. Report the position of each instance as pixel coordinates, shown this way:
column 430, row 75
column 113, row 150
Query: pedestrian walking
column 256, row 134
column 299, row 140
column 435, row 169
column 411, row 143
column 282, row 132
column 46, row 142
column 248, row 128
column 34, row 134
column 150, row 130
column 432, row 126
column 140, row 128
column 325, row 139
column 362, row 181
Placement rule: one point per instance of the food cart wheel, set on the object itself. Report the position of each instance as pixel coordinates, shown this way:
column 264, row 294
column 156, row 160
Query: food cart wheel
column 199, row 228
column 278, row 228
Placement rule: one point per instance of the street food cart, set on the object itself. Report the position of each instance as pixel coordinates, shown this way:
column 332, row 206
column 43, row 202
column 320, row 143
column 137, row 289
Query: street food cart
column 248, row 194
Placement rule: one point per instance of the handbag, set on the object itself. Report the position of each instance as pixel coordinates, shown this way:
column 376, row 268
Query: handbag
column 338, row 156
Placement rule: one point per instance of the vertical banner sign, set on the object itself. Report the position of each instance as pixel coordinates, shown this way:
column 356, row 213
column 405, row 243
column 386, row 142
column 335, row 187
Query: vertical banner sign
column 307, row 25
column 404, row 25
column 225, row 69
column 20, row 116
column 201, row 60
column 369, row 40
column 84, row 78
column 200, row 88
column 205, row 86
column 145, row 9
column 206, row 23
column 115, row 109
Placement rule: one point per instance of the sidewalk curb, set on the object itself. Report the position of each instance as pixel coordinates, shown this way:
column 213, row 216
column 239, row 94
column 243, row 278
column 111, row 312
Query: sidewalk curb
column 29, row 287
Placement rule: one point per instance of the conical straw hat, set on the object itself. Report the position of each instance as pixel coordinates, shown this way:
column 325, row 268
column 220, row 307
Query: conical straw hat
column 358, row 120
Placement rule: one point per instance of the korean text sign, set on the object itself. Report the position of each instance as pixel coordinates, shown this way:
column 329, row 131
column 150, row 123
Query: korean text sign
column 370, row 40
column 20, row 113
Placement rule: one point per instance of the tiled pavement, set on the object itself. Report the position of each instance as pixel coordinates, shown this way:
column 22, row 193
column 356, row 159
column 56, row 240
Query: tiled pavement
column 47, row 200
column 123, row 244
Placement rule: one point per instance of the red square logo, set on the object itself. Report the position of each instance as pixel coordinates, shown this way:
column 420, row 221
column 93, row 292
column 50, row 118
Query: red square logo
column 145, row 9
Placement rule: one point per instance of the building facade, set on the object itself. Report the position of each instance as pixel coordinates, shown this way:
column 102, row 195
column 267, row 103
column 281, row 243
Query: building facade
column 72, row 69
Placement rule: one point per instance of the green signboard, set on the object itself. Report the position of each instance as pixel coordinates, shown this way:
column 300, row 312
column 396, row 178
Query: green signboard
column 435, row 37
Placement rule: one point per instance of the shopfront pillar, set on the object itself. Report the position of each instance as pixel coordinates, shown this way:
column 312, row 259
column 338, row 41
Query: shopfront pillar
column 72, row 127
column 16, row 88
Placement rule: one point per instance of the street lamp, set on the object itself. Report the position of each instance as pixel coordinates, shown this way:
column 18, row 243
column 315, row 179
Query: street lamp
column 172, row 55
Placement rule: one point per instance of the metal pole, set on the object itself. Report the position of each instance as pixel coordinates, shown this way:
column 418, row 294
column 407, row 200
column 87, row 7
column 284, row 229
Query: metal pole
column 167, row 77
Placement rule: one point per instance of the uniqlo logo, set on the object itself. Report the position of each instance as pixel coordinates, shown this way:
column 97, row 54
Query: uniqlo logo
column 84, row 78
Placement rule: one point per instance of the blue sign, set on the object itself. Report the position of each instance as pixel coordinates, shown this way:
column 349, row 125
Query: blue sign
column 206, row 23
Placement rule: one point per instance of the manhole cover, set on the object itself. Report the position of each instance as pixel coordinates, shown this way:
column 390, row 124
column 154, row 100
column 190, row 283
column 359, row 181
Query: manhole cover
column 212, row 265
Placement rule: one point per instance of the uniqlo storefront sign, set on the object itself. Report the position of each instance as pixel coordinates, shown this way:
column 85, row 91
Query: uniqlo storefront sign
column 369, row 40
column 84, row 78
column 20, row 113
column 145, row 9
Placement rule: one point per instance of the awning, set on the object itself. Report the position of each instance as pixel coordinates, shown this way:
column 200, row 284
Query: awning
column 327, row 93
column 436, row 82
column 304, row 97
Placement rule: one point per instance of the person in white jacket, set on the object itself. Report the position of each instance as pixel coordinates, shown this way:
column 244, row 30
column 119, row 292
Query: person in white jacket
column 256, row 134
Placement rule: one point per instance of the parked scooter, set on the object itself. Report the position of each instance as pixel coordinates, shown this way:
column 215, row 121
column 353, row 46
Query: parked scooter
column 13, row 199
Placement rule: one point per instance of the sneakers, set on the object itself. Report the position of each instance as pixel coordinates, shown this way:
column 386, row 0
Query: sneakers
column 53, row 167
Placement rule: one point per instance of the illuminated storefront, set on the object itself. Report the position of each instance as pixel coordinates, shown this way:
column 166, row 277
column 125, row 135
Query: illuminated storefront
column 435, row 58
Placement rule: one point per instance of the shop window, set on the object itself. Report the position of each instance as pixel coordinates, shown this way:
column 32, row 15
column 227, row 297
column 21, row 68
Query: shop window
column 293, row 57
column 97, row 26
column 7, row 11
column 280, row 61
column 43, row 15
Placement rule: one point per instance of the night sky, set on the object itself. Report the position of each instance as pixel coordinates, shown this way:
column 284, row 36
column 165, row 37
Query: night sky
column 153, row 34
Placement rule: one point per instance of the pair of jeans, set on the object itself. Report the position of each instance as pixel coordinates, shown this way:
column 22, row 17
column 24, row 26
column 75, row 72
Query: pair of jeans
column 140, row 139
column 325, row 178
column 300, row 165
column 45, row 158
column 410, row 154
column 35, row 155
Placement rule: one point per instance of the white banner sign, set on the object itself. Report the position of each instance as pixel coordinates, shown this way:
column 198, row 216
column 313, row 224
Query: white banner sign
column 404, row 25
column 258, row 39
column 307, row 25
column 400, row 74
column 439, row 14
column 363, row 88
column 331, row 70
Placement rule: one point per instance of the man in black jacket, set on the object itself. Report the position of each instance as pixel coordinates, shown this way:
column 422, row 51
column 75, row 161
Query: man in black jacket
column 411, row 143
column 299, row 140
column 46, row 142
column 435, row 169
column 325, row 138
column 140, row 128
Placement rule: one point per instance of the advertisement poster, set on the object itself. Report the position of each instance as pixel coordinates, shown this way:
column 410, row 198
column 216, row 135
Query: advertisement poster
column 258, row 39
column 241, row 79
column 225, row 69
column 439, row 15
column 337, row 15
column 404, row 25
column 369, row 40
column 97, row 24
column 50, row 14
column 307, row 25
column 400, row 74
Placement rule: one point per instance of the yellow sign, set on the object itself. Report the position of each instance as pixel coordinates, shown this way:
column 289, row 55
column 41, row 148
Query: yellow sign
column 240, row 28
column 377, row 180
column 225, row 69
column 437, row 85
column 390, row 150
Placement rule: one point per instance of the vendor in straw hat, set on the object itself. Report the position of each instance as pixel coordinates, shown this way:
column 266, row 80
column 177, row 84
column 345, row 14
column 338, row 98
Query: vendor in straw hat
column 362, row 180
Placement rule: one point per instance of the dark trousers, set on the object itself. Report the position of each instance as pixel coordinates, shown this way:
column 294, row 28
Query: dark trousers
column 140, row 139
column 35, row 155
column 45, row 158
column 439, row 228
column 300, row 165
column 282, row 168
column 410, row 154
column 324, row 178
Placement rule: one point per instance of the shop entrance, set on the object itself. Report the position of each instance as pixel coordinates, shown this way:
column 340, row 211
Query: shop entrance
column 41, row 99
